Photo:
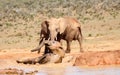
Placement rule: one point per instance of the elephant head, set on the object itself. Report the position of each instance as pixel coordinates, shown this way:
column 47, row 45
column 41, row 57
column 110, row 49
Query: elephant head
column 50, row 29
column 56, row 27
column 53, row 28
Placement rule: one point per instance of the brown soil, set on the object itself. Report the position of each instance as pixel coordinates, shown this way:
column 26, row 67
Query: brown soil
column 9, row 66
column 11, row 72
column 98, row 58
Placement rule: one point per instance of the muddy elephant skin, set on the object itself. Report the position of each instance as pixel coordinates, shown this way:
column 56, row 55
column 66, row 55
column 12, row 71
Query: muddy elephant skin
column 65, row 28
column 55, row 56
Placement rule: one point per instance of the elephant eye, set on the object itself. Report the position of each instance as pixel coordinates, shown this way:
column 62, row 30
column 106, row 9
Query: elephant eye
column 60, row 47
column 56, row 29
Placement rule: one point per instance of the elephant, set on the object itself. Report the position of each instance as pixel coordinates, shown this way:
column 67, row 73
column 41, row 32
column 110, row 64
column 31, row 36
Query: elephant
column 56, row 55
column 66, row 28
column 44, row 36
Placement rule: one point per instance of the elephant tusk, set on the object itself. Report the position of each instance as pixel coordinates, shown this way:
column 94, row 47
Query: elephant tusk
column 56, row 38
column 49, row 39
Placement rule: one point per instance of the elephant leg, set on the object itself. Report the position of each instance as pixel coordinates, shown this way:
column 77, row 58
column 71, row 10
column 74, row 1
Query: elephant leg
column 80, row 43
column 26, row 61
column 46, row 50
column 68, row 47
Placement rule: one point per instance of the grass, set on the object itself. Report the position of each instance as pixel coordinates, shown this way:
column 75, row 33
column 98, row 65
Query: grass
column 89, row 35
column 18, row 34
column 9, row 24
column 27, row 9
column 21, row 19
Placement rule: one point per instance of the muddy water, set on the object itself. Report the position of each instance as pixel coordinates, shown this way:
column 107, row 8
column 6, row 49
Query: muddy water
column 66, row 71
column 79, row 71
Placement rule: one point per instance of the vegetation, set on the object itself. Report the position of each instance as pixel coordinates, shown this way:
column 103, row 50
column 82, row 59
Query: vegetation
column 20, row 19
column 27, row 9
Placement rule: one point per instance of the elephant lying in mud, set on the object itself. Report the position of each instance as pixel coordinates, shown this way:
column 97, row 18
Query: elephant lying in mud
column 65, row 28
column 55, row 56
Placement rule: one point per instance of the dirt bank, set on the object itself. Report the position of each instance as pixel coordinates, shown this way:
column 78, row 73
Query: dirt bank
column 98, row 58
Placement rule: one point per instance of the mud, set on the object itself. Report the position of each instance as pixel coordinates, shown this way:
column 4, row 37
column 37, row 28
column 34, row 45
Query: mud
column 9, row 66
column 66, row 71
column 11, row 72
column 15, row 71
column 98, row 58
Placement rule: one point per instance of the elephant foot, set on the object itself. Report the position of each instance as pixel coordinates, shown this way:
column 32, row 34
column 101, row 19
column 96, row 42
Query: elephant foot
column 67, row 51
column 81, row 50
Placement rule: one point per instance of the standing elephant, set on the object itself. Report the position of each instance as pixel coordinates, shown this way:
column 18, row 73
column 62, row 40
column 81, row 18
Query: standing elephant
column 66, row 28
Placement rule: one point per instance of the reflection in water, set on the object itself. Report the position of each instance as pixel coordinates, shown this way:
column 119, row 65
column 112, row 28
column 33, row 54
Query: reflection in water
column 78, row 71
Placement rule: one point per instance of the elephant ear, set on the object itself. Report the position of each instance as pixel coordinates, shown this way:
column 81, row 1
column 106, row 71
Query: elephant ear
column 44, row 26
column 47, row 23
column 62, row 26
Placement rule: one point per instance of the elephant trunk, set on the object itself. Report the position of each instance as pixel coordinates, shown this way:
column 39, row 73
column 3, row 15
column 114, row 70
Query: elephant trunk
column 44, row 42
column 53, row 36
column 39, row 47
